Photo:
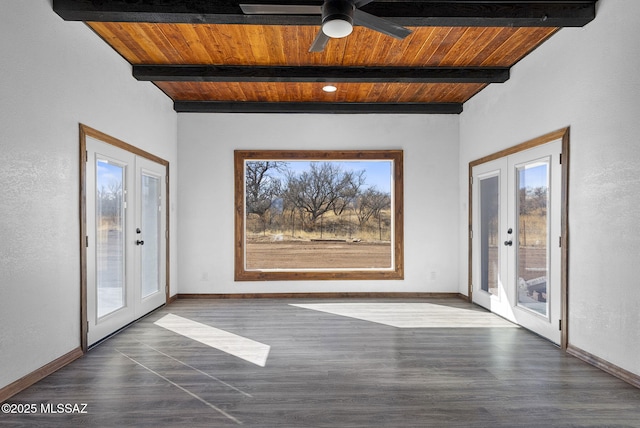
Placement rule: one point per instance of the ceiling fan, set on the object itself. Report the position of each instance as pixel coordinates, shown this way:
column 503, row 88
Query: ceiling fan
column 338, row 17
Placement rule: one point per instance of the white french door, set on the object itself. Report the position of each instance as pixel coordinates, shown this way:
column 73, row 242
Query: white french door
column 126, row 224
column 516, row 238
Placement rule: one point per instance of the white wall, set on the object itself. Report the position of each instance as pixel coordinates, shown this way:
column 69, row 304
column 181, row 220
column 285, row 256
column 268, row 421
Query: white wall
column 53, row 76
column 206, row 143
column 588, row 79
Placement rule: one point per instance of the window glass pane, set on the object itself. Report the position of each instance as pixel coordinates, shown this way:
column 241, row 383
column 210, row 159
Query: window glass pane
column 532, row 251
column 151, row 235
column 489, row 221
column 319, row 215
column 110, row 260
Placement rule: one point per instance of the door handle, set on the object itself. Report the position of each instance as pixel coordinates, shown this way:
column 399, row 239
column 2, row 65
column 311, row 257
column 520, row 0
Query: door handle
column 508, row 243
column 139, row 242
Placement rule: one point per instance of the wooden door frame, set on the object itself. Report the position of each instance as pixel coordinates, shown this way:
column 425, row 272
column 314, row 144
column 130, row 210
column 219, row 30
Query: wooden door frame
column 86, row 131
column 564, row 218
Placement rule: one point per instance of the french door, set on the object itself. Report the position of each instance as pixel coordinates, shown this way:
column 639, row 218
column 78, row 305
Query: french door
column 516, row 254
column 125, row 237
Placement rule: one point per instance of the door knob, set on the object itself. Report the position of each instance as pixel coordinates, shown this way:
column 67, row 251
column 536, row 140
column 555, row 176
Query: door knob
column 139, row 242
column 508, row 243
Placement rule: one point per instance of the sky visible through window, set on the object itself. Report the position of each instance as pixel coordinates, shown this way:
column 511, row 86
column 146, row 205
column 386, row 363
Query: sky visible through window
column 378, row 173
column 534, row 175
column 108, row 174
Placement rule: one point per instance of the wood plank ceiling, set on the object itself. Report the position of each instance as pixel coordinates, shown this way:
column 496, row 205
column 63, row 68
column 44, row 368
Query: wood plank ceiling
column 207, row 56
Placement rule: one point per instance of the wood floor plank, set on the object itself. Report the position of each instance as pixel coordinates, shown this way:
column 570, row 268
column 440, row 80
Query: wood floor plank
column 330, row 370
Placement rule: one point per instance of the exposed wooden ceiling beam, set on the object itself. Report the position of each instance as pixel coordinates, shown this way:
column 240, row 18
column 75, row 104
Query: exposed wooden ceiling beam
column 216, row 73
column 414, row 13
column 309, row 107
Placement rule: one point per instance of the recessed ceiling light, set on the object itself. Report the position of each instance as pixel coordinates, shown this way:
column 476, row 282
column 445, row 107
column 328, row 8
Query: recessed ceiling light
column 329, row 88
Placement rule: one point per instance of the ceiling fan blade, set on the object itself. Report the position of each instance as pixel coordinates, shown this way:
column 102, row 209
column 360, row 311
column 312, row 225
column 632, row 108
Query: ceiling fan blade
column 378, row 24
column 319, row 42
column 280, row 9
column 360, row 3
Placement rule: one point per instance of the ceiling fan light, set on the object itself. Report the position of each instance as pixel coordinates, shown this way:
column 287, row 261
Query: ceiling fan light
column 337, row 18
column 337, row 28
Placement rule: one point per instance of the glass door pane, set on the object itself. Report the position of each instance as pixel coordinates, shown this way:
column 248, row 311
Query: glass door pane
column 489, row 235
column 532, row 257
column 151, row 232
column 110, row 227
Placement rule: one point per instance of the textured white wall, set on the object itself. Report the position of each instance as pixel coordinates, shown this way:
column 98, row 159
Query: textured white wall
column 588, row 79
column 54, row 75
column 206, row 143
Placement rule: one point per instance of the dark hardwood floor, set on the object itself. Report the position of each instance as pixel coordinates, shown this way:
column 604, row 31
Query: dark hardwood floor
column 327, row 370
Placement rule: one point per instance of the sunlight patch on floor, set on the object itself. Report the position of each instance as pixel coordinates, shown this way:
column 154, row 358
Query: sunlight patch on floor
column 238, row 346
column 412, row 315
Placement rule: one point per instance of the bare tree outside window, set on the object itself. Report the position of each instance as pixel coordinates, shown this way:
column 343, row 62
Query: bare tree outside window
column 318, row 215
column 262, row 189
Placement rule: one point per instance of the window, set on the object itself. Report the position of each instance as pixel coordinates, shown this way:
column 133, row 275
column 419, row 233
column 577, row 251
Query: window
column 318, row 215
